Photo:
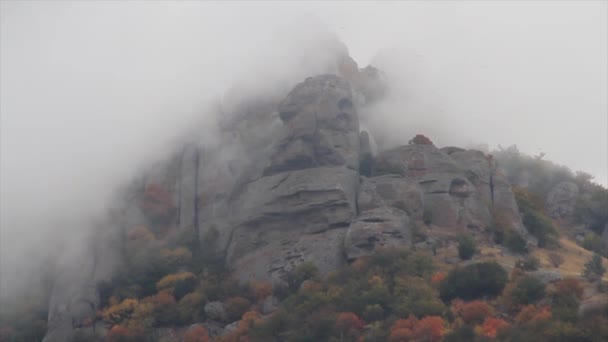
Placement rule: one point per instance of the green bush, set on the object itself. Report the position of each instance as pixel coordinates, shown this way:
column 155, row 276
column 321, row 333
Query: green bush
column 474, row 281
column 594, row 243
column 594, row 267
column 515, row 243
column 527, row 290
column 533, row 218
column 466, row 247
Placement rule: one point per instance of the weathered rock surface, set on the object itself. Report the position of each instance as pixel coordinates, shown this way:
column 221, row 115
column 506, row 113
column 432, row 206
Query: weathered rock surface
column 493, row 187
column 216, row 311
column 377, row 228
column 561, row 200
column 392, row 191
column 448, row 196
column 322, row 127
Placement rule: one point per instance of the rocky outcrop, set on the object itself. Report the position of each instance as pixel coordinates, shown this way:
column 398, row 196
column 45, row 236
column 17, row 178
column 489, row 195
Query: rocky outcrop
column 561, row 200
column 392, row 191
column 493, row 187
column 299, row 209
column 377, row 228
column 448, row 196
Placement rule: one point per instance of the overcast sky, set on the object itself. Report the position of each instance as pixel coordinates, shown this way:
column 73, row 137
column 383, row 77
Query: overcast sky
column 91, row 89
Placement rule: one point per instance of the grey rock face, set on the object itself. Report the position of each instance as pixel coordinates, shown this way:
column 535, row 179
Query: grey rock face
column 493, row 187
column 215, row 311
column 269, row 305
column 561, row 200
column 299, row 207
column 280, row 253
column 377, row 228
column 447, row 194
column 322, row 127
column 414, row 161
column 547, row 276
column 392, row 191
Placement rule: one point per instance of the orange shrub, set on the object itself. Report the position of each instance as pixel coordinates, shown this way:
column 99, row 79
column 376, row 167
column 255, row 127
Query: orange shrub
column 437, row 278
column 169, row 281
column 197, row 334
column 119, row 312
column 430, row 328
column 476, row 311
column 491, row 326
column 403, row 329
column 120, row 333
column 348, row 321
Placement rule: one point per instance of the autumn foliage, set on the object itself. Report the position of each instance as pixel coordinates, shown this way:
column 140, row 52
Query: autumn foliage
column 476, row 311
column 492, row 326
column 197, row 334
column 420, row 139
column 348, row 322
column 430, row 328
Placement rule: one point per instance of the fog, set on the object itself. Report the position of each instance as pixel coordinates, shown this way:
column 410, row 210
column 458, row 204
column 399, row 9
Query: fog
column 89, row 91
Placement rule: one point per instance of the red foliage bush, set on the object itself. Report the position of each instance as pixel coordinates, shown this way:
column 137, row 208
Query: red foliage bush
column 197, row 334
column 420, row 139
column 475, row 311
column 491, row 326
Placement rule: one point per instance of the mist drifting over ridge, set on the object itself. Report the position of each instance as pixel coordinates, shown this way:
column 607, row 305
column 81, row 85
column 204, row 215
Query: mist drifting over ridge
column 90, row 91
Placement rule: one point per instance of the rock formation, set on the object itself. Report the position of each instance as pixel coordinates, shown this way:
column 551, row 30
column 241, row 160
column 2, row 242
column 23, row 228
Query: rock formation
column 290, row 181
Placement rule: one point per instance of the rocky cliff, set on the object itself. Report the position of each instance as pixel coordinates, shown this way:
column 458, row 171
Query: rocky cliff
column 292, row 179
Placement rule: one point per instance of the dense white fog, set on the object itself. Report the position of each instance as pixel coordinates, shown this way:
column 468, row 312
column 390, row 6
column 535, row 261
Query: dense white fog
column 91, row 90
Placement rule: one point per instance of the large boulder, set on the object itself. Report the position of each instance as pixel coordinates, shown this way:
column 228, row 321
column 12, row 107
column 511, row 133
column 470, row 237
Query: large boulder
column 561, row 200
column 377, row 228
column 321, row 127
column 449, row 198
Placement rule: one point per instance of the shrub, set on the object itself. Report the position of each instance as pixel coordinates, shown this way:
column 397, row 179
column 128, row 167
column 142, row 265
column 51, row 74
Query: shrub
column 533, row 218
column 349, row 324
column 169, row 282
column 236, row 307
column 515, row 243
column 474, row 281
column 420, row 139
column 569, row 287
column 466, row 247
column 594, row 243
column 117, row 313
column 196, row 334
column 176, row 257
column 594, row 267
column 528, row 289
column 475, row 311
column 492, row 326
